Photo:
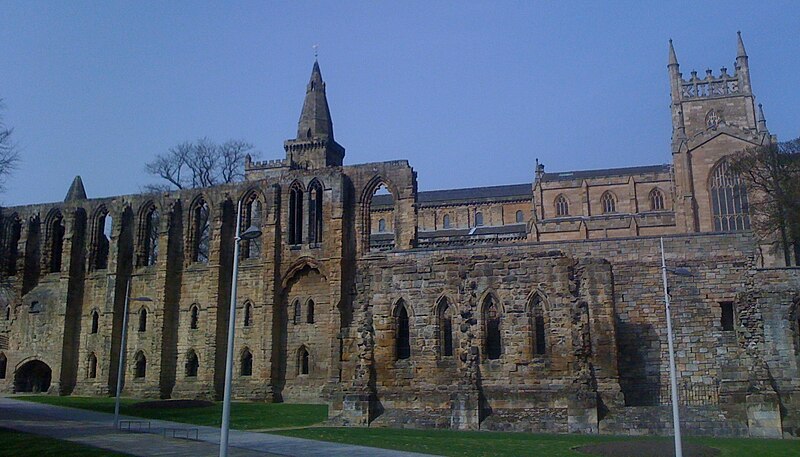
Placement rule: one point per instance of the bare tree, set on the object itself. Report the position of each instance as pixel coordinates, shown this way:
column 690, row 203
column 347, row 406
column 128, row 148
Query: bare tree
column 772, row 174
column 202, row 163
column 9, row 154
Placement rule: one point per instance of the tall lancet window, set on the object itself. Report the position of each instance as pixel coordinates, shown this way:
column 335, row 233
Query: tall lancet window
column 315, row 213
column 296, row 214
column 728, row 200
column 251, row 217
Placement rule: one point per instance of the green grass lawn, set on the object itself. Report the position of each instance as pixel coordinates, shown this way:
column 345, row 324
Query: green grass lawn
column 21, row 444
column 244, row 415
column 498, row 444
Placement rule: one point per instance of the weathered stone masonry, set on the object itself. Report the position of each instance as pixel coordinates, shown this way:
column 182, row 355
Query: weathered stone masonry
column 534, row 307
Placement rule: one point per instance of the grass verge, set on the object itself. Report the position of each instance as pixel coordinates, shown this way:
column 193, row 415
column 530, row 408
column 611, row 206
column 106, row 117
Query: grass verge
column 244, row 415
column 501, row 444
column 21, row 444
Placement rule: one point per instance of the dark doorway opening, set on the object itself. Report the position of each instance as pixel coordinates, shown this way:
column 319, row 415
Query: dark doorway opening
column 33, row 376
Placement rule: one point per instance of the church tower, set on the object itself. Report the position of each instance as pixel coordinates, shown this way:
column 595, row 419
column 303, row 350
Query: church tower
column 713, row 116
column 314, row 146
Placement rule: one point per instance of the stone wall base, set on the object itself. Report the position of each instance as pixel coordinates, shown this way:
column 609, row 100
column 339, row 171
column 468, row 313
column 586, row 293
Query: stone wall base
column 764, row 416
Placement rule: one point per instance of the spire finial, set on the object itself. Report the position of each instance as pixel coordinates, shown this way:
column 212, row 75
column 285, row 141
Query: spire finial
column 760, row 119
column 316, row 51
column 673, row 59
column 315, row 119
column 740, row 45
column 76, row 190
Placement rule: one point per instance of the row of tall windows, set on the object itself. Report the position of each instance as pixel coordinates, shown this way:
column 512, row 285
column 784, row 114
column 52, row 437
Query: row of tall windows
column 491, row 328
column 191, row 365
column 608, row 203
column 297, row 215
column 519, row 217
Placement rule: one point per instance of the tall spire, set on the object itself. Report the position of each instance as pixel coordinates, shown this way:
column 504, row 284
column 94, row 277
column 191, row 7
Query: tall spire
column 76, row 190
column 673, row 59
column 760, row 119
column 740, row 46
column 315, row 120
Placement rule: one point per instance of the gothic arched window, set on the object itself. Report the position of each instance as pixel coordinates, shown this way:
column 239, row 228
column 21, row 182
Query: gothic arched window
column 201, row 229
column 402, row 332
column 444, row 319
column 251, row 217
column 295, row 214
column 149, row 236
column 140, row 365
column 519, row 216
column 192, row 364
column 562, row 206
column 296, row 312
column 538, row 336
column 382, row 226
column 246, row 362
column 91, row 366
column 315, row 213
column 194, row 317
column 728, row 200
column 95, row 321
column 478, row 219
column 310, row 311
column 56, row 229
column 656, row 200
column 492, row 334
column 143, row 320
column 303, row 361
column 248, row 314
column 608, row 203
column 446, row 221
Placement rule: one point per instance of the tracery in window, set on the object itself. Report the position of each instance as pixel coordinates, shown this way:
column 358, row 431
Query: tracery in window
column 609, row 203
column 562, row 206
column 729, row 203
column 656, row 200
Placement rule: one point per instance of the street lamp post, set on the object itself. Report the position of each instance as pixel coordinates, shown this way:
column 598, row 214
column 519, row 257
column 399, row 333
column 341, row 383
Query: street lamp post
column 122, row 347
column 673, row 378
column 249, row 234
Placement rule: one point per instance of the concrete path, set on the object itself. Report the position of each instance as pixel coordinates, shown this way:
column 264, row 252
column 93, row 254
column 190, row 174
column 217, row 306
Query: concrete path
column 96, row 429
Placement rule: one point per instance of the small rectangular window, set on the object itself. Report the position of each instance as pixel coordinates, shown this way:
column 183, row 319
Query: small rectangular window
column 726, row 317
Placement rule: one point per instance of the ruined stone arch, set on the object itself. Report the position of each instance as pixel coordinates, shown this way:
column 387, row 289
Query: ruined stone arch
column 254, row 207
column 298, row 266
column 148, row 234
column 491, row 325
column 365, row 207
column 9, row 241
column 32, row 374
column 537, row 311
column 444, row 313
column 54, row 234
column 101, row 222
column 199, row 239
column 295, row 213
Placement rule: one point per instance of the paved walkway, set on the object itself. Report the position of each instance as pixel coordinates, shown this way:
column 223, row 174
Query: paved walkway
column 96, row 429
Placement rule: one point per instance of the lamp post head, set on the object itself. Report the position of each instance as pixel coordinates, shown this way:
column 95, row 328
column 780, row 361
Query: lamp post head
column 250, row 234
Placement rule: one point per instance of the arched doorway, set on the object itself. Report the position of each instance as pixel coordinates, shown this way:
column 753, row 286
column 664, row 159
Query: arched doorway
column 33, row 376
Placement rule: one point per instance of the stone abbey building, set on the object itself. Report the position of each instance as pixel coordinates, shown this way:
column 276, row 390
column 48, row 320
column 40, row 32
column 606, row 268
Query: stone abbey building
column 534, row 307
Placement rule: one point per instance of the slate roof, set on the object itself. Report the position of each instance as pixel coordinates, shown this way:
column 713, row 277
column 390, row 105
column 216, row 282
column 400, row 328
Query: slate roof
column 510, row 191
column 586, row 174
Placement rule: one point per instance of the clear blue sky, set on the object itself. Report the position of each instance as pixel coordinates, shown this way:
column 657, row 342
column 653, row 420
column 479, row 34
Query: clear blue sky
column 470, row 92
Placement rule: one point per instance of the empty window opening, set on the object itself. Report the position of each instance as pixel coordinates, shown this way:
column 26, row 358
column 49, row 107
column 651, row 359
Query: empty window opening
column 150, row 237
column 3, row 365
column 56, row 242
column 91, row 366
column 95, row 321
column 445, row 328
column 381, row 208
column 10, row 243
column 403, row 336
column 297, row 312
column 310, row 312
column 8, row 312
column 538, row 339
column 251, row 217
column 726, row 316
column 192, row 363
column 248, row 314
column 492, row 337
column 315, row 213
column 143, row 320
column 202, row 232
column 140, row 365
column 382, row 226
column 303, row 361
column 247, row 363
column 296, row 214
column 194, row 317
column 102, row 240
